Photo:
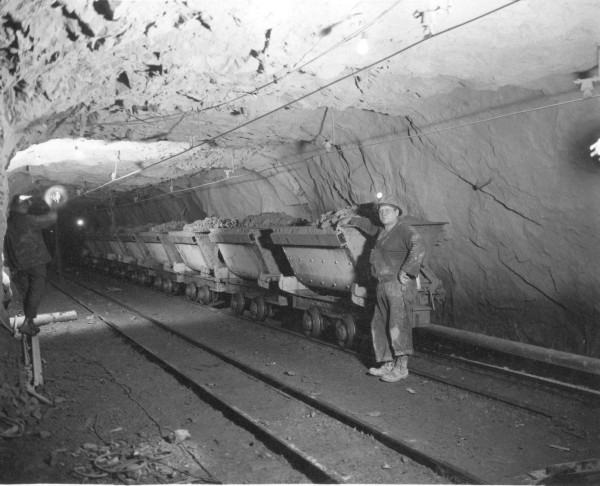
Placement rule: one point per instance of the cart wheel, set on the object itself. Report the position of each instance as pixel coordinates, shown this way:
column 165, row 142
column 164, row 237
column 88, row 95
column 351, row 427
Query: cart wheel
column 238, row 302
column 204, row 296
column 191, row 291
column 158, row 281
column 345, row 330
column 312, row 322
column 258, row 308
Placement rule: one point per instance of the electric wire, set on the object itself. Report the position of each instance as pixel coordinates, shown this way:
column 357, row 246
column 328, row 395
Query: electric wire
column 358, row 147
column 328, row 85
column 276, row 79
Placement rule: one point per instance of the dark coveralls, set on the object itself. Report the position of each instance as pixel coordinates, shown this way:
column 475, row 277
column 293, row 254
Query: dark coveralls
column 399, row 249
column 27, row 256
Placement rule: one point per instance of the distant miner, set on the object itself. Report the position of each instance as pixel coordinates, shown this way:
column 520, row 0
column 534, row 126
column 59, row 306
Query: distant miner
column 26, row 255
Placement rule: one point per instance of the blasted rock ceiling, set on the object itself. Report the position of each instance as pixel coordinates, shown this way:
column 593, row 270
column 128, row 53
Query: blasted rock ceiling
column 174, row 75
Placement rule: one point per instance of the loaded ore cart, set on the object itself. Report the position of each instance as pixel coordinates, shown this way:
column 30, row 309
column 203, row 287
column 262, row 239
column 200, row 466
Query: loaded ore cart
column 110, row 253
column 125, row 262
column 330, row 275
column 253, row 269
column 168, row 266
column 140, row 255
column 93, row 251
column 200, row 256
column 332, row 283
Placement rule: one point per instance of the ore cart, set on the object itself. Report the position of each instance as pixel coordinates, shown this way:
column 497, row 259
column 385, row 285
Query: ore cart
column 108, row 260
column 330, row 276
column 101, row 244
column 253, row 268
column 200, row 257
column 118, row 256
column 140, row 256
column 168, row 264
column 93, row 249
column 88, row 251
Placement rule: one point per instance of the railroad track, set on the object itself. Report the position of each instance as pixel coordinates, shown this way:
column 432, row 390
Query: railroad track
column 536, row 394
column 483, row 382
column 271, row 409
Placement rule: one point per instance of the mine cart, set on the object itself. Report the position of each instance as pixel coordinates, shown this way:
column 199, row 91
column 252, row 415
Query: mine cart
column 138, row 253
column 133, row 248
column 102, row 246
column 253, row 268
column 330, row 273
column 119, row 257
column 106, row 260
column 91, row 247
column 116, row 249
column 166, row 259
column 200, row 256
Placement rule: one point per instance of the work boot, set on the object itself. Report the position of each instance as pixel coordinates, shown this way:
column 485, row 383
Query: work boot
column 29, row 328
column 383, row 370
column 398, row 372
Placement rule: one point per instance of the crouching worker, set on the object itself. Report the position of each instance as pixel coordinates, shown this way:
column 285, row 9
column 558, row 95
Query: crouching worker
column 395, row 261
column 26, row 255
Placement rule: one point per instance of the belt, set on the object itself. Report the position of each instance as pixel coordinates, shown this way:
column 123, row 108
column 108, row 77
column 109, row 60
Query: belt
column 387, row 278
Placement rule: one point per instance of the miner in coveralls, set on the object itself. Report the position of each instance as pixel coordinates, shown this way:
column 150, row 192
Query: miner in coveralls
column 395, row 261
column 26, row 256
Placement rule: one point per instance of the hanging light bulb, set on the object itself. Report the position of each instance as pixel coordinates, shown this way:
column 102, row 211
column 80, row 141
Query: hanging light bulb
column 363, row 45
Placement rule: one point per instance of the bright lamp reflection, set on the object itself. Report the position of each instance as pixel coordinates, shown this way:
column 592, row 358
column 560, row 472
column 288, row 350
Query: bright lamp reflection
column 80, row 222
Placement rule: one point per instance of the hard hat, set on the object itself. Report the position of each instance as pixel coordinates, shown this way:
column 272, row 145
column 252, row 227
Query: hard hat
column 389, row 200
column 19, row 199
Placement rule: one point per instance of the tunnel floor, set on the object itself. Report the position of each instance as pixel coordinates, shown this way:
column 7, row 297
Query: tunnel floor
column 105, row 392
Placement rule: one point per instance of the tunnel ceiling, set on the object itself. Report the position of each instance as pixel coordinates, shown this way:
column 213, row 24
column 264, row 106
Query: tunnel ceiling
column 118, row 86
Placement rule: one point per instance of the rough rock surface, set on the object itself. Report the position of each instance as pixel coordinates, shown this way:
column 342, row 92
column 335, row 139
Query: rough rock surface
column 131, row 84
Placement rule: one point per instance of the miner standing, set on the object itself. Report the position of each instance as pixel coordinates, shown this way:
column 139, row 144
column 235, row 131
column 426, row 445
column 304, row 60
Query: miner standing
column 395, row 261
column 26, row 255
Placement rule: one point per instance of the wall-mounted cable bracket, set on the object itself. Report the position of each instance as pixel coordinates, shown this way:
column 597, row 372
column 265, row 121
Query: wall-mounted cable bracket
column 587, row 84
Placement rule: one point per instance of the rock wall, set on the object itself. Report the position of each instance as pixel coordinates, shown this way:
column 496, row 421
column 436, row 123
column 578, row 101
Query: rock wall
column 519, row 257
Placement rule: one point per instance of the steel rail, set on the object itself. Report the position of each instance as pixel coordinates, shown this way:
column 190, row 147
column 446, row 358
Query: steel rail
column 476, row 366
column 316, row 471
column 440, row 467
column 578, row 392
